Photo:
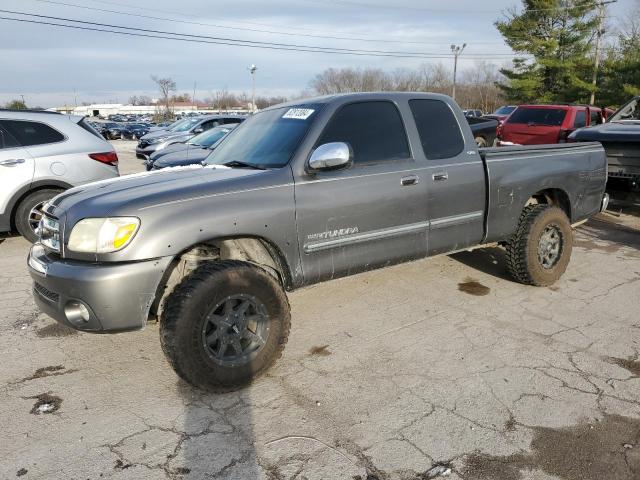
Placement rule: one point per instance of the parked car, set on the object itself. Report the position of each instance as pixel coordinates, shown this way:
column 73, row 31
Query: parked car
column 484, row 130
column 620, row 137
column 301, row 193
column 42, row 154
column 472, row 113
column 134, row 131
column 181, row 132
column 190, row 152
column 502, row 113
column 545, row 124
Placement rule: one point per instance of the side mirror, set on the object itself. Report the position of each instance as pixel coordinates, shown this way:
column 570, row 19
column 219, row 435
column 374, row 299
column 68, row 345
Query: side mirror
column 330, row 156
column 198, row 130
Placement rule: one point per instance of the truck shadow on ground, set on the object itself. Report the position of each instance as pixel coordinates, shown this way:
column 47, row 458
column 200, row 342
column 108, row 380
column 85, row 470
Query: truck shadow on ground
column 489, row 260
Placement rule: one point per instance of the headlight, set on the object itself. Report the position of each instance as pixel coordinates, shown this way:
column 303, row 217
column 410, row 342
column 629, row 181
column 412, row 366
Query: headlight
column 103, row 235
column 49, row 231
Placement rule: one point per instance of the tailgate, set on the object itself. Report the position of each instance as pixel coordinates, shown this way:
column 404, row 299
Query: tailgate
column 523, row 134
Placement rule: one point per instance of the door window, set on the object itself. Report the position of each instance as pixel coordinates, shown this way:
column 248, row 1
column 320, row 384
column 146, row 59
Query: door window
column 374, row 130
column 29, row 133
column 438, row 128
column 581, row 119
column 596, row 117
column 7, row 140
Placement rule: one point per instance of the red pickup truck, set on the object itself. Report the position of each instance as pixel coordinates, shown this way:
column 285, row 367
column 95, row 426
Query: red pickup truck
column 543, row 124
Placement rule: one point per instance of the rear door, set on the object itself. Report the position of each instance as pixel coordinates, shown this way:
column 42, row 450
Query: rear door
column 368, row 215
column 534, row 125
column 16, row 167
column 454, row 178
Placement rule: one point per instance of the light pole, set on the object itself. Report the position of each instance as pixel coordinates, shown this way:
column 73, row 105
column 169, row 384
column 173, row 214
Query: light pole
column 253, row 69
column 457, row 51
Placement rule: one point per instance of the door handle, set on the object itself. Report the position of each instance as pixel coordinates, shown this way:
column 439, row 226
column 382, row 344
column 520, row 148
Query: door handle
column 439, row 177
column 409, row 180
column 11, row 162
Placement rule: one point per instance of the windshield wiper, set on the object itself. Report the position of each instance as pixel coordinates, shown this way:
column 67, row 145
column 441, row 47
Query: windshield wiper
column 239, row 164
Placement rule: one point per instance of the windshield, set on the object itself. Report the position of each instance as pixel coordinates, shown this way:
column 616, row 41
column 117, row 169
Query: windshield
column 208, row 138
column 504, row 110
column 267, row 139
column 629, row 112
column 184, row 125
column 552, row 117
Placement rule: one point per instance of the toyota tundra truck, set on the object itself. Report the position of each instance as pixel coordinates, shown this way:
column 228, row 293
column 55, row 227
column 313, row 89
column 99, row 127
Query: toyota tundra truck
column 301, row 193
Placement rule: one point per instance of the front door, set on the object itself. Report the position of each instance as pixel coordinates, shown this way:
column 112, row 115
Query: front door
column 370, row 214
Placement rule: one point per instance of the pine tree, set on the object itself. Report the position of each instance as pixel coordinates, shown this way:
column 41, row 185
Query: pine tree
column 557, row 34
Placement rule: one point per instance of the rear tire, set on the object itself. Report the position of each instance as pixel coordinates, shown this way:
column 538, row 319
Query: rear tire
column 29, row 212
column 224, row 325
column 540, row 250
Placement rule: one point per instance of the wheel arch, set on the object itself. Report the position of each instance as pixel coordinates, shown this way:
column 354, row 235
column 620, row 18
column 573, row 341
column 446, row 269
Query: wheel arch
column 256, row 250
column 23, row 192
column 556, row 197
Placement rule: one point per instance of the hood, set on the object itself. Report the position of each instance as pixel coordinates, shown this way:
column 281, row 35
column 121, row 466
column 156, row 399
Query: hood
column 187, row 156
column 608, row 132
column 174, row 147
column 125, row 196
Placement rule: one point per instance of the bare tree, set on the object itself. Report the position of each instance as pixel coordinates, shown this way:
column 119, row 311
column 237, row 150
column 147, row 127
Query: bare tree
column 166, row 86
column 137, row 100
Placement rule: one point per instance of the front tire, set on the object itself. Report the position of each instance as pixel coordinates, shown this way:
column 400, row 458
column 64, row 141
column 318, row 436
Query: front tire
column 29, row 212
column 540, row 250
column 224, row 325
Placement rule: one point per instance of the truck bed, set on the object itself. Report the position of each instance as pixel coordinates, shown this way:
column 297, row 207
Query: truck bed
column 575, row 172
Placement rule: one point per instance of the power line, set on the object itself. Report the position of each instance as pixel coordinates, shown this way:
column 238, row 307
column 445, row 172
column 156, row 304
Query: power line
column 256, row 30
column 355, row 3
column 241, row 42
column 231, row 43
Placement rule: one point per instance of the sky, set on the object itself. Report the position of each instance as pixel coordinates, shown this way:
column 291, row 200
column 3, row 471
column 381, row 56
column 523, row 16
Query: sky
column 54, row 66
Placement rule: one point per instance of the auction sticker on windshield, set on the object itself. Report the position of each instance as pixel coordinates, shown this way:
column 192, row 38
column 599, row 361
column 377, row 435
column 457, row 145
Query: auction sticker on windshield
column 298, row 113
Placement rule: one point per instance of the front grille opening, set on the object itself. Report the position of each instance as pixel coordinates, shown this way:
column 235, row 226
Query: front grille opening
column 46, row 293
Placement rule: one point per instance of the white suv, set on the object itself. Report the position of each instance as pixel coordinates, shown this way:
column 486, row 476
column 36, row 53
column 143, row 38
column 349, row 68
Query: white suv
column 42, row 154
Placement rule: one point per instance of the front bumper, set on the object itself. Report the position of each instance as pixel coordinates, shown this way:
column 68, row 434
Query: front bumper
column 117, row 296
column 146, row 151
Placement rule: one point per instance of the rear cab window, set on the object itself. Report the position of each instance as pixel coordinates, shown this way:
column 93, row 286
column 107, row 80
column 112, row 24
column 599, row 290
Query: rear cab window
column 374, row 130
column 29, row 133
column 596, row 117
column 551, row 117
column 438, row 128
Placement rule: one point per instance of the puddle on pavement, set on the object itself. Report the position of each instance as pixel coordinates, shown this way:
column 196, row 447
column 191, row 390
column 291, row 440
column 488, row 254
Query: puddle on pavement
column 321, row 351
column 608, row 449
column 627, row 363
column 45, row 404
column 55, row 330
column 473, row 287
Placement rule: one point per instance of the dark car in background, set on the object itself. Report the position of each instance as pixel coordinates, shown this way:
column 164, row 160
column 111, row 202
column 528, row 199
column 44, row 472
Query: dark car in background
column 484, row 130
column 472, row 113
column 181, row 132
column 502, row 113
column 620, row 137
column 546, row 124
column 134, row 131
column 190, row 152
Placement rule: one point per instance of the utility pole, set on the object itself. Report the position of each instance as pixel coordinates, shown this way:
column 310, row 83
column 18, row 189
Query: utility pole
column 21, row 95
column 253, row 69
column 599, row 34
column 457, row 51
column 193, row 98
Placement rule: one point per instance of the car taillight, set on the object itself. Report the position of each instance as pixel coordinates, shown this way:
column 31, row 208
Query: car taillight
column 110, row 158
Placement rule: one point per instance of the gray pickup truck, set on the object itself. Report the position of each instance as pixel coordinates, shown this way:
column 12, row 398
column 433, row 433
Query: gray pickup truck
column 298, row 194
